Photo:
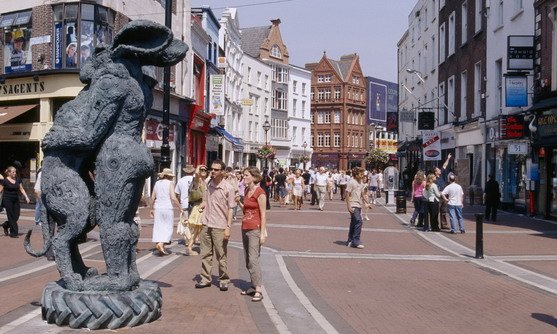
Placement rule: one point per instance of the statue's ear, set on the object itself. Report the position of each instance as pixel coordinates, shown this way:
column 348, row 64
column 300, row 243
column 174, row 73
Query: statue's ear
column 149, row 42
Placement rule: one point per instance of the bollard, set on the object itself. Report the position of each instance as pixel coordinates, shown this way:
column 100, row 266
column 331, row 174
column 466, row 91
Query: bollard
column 479, row 236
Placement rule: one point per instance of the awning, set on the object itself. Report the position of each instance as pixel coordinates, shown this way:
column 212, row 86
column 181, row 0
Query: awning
column 237, row 143
column 544, row 104
column 8, row 113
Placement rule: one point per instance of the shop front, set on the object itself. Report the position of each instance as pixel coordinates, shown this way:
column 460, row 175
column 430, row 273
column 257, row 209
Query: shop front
column 327, row 160
column 27, row 108
column 198, row 127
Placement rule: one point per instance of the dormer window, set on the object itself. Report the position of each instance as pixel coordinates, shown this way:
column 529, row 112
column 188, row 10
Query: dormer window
column 275, row 52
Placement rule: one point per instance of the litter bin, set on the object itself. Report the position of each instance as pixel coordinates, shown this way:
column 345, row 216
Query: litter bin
column 400, row 201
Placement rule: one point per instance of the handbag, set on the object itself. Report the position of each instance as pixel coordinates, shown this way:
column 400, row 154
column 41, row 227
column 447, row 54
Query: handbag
column 194, row 192
column 183, row 228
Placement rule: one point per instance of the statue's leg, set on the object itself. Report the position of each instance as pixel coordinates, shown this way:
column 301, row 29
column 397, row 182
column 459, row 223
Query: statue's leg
column 122, row 166
column 66, row 198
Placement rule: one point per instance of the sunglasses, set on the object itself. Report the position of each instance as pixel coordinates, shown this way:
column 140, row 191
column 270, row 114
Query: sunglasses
column 216, row 169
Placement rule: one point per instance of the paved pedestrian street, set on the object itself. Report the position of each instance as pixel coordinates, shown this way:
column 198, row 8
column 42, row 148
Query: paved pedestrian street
column 403, row 281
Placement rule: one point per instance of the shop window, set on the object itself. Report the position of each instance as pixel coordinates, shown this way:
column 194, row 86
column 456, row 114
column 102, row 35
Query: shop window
column 78, row 28
column 17, row 45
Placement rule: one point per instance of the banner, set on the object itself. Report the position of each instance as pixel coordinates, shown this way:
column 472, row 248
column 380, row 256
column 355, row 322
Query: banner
column 516, row 91
column 216, row 92
column 58, row 45
column 17, row 50
column 431, row 145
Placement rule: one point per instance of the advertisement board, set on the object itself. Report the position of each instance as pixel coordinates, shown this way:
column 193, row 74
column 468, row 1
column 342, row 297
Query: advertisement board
column 516, row 91
column 431, row 145
column 17, row 50
column 382, row 99
column 216, row 91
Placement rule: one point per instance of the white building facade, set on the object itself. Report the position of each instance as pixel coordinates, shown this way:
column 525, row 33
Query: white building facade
column 299, row 118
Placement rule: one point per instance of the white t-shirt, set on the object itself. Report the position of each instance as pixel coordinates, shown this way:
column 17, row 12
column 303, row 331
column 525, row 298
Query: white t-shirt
column 374, row 180
column 37, row 187
column 321, row 179
column 454, row 193
column 182, row 189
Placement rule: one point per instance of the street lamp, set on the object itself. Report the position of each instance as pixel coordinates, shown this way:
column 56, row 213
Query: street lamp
column 417, row 73
column 304, row 145
column 266, row 128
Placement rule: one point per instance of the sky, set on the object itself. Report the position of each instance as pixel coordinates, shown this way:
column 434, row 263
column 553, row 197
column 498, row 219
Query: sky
column 370, row 28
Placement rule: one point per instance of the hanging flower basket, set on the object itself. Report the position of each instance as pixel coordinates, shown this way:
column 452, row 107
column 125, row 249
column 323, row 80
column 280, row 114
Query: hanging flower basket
column 266, row 152
column 304, row 159
column 377, row 158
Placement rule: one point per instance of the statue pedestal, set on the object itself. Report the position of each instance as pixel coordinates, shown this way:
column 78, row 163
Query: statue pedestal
column 101, row 309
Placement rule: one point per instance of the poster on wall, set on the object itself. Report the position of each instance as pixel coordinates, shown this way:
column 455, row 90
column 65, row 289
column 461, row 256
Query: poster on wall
column 17, row 50
column 216, row 91
column 431, row 145
column 58, row 45
column 382, row 99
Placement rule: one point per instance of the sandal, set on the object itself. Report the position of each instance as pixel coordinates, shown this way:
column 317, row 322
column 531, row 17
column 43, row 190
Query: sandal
column 248, row 292
column 257, row 297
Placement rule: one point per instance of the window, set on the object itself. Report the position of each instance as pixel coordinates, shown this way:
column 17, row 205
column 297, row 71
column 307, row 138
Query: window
column 320, row 94
column 327, row 117
column 294, row 109
column 336, row 118
column 303, row 109
column 320, row 78
column 499, row 84
column 337, row 93
column 463, row 95
column 294, row 86
column 78, row 28
column 477, row 88
column 328, row 78
column 303, row 88
column 279, row 129
column 450, row 99
column 500, row 14
column 451, row 34
column 280, row 74
column 336, row 140
column 441, row 4
column 443, row 110
column 518, row 6
column 275, row 52
column 327, row 140
column 17, row 37
column 258, row 79
column 312, row 116
column 249, row 75
column 442, row 39
column 320, row 140
column 319, row 118
column 433, row 54
column 464, row 22
column 479, row 15
column 280, row 100
column 294, row 131
column 327, row 94
column 266, row 83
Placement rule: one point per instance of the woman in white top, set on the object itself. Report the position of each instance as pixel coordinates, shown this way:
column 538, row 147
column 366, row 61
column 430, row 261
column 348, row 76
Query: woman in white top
column 297, row 189
column 432, row 196
column 162, row 209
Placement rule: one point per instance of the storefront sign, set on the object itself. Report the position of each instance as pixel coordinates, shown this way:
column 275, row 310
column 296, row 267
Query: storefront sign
column 431, row 145
column 512, row 126
column 426, row 121
column 154, row 128
column 516, row 91
column 216, row 87
column 22, row 88
column 547, row 123
column 520, row 52
column 517, row 148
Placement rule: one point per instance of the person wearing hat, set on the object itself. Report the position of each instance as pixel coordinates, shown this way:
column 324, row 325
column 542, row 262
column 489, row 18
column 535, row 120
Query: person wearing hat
column 162, row 209
column 182, row 191
column 17, row 56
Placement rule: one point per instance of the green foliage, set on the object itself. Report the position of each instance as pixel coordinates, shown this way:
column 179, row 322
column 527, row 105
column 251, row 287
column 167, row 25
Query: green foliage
column 377, row 158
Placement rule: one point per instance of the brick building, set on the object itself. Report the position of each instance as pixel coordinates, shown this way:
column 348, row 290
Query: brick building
column 338, row 111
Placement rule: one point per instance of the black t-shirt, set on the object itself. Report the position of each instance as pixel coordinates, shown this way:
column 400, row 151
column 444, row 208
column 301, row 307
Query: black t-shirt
column 10, row 189
column 280, row 180
column 306, row 177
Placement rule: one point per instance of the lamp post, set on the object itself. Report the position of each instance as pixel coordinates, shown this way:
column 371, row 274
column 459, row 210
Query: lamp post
column 304, row 145
column 165, row 147
column 266, row 128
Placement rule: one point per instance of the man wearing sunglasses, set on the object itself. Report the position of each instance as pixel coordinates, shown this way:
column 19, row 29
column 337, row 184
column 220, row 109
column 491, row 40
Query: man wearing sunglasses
column 218, row 204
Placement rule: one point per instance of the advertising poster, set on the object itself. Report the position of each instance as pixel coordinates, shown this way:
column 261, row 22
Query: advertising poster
column 17, row 50
column 516, row 91
column 216, row 87
column 431, row 145
column 382, row 99
column 58, row 45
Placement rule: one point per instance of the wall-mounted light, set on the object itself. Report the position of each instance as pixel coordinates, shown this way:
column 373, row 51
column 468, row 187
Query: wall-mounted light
column 36, row 77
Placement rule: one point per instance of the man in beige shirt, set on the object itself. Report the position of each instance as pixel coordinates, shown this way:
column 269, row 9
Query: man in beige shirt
column 218, row 204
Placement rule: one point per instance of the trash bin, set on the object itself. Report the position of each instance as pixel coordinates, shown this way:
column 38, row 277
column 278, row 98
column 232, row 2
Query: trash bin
column 400, row 201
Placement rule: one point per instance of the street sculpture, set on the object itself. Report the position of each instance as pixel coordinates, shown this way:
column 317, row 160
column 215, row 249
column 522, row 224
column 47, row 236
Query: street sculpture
column 94, row 169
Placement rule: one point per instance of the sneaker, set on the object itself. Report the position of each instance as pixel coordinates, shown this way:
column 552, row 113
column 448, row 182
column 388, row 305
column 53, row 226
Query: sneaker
column 367, row 218
column 453, row 232
column 462, row 231
column 349, row 244
column 223, row 286
column 360, row 246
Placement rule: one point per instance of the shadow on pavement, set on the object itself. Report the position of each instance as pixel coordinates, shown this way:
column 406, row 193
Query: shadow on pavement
column 548, row 319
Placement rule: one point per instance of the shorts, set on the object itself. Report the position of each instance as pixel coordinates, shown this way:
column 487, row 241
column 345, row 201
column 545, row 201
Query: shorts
column 282, row 191
column 372, row 188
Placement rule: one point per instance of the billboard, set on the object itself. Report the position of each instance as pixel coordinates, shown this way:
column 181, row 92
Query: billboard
column 216, row 91
column 382, row 98
column 17, row 49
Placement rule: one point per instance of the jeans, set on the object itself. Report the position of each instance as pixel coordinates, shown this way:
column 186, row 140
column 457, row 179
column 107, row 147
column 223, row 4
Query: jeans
column 355, row 227
column 38, row 206
column 419, row 208
column 455, row 214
